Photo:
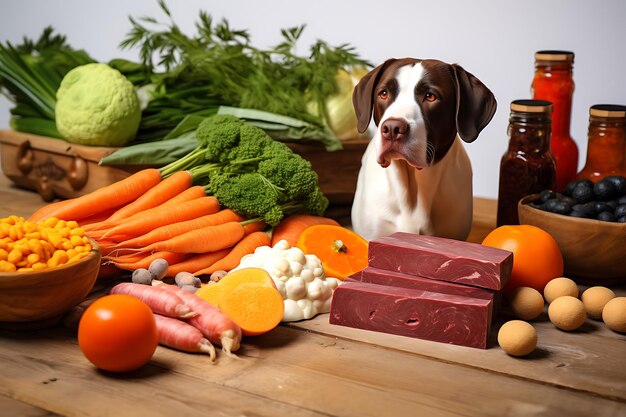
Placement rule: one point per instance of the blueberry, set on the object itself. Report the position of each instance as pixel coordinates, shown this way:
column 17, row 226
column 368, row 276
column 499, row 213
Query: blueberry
column 576, row 213
column 620, row 211
column 619, row 182
column 569, row 188
column 603, row 206
column 621, row 200
column 583, row 192
column 621, row 219
column 589, row 209
column 604, row 190
column 550, row 205
column 612, row 205
column 606, row 216
column 546, row 195
column 562, row 207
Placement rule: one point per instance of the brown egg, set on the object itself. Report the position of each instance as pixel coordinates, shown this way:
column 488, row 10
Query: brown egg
column 614, row 314
column 526, row 303
column 517, row 338
column 594, row 299
column 567, row 313
column 559, row 287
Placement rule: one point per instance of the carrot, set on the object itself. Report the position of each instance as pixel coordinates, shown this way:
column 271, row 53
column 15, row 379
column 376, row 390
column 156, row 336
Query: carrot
column 105, row 198
column 206, row 239
column 157, row 195
column 148, row 220
column 42, row 212
column 189, row 194
column 144, row 262
column 183, row 336
column 246, row 246
column 160, row 302
column 176, row 229
column 253, row 226
column 214, row 325
column 86, row 222
column 196, row 262
column 291, row 227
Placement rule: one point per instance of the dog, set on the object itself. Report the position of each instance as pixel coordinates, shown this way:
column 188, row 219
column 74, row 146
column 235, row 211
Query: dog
column 415, row 175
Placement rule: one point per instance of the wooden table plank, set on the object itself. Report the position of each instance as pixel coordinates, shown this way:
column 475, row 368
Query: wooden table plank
column 286, row 372
column 14, row 408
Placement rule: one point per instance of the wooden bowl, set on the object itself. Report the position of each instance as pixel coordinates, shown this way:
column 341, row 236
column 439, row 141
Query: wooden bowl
column 43, row 295
column 594, row 251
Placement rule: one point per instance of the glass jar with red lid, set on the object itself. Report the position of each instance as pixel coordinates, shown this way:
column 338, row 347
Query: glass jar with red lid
column 606, row 149
column 554, row 82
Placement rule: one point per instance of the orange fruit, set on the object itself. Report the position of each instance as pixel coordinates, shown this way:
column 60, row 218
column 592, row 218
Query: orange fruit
column 537, row 258
column 342, row 251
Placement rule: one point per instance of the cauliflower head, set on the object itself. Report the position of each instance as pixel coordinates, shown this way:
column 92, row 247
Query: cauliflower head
column 97, row 105
column 298, row 276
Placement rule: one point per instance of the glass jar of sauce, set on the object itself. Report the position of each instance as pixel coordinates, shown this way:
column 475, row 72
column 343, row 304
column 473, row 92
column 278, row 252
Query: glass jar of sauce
column 606, row 149
column 527, row 167
column 554, row 82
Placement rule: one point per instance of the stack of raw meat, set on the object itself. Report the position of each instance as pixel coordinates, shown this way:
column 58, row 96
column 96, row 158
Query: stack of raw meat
column 425, row 287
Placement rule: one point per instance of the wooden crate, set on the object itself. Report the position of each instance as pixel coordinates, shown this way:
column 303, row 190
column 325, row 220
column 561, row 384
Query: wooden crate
column 58, row 169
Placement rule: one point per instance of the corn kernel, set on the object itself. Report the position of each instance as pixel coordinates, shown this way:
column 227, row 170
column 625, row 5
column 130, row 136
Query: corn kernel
column 61, row 255
column 76, row 240
column 33, row 258
column 66, row 244
column 16, row 232
column 39, row 266
column 14, row 256
column 22, row 264
column 30, row 227
column 7, row 267
column 60, row 224
column 25, row 269
column 33, row 235
column 72, row 224
column 3, row 255
column 75, row 259
column 50, row 221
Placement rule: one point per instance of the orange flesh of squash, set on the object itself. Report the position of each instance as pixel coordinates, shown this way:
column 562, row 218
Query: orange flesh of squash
column 342, row 251
column 248, row 297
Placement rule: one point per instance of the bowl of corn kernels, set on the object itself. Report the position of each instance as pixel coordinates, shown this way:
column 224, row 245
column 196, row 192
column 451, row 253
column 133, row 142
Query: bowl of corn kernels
column 46, row 268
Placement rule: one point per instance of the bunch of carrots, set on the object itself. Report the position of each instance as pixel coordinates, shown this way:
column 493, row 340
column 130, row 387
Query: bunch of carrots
column 148, row 216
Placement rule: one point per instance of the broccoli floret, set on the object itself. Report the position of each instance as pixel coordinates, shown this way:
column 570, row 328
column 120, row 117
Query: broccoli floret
column 218, row 135
column 316, row 203
column 248, row 194
column 251, row 147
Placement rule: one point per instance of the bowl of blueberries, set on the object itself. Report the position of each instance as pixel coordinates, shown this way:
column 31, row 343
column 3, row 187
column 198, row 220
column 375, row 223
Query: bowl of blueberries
column 588, row 220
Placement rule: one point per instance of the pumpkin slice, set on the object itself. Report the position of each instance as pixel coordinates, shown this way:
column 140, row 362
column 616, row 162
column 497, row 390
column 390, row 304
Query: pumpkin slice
column 342, row 251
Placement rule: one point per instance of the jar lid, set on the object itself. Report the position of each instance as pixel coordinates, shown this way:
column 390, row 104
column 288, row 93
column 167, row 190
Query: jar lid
column 556, row 56
column 531, row 106
column 607, row 110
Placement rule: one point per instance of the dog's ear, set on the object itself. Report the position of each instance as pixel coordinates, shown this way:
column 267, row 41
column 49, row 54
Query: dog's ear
column 475, row 104
column 363, row 95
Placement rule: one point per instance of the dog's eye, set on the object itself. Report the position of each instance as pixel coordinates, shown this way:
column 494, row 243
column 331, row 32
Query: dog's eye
column 430, row 97
column 383, row 94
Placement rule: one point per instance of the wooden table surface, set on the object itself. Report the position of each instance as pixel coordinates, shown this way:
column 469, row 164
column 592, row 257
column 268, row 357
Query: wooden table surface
column 311, row 368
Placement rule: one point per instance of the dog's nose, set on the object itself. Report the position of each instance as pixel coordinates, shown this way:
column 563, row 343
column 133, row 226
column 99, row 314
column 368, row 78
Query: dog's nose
column 394, row 129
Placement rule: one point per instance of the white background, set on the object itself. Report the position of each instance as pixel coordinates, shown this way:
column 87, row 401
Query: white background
column 495, row 40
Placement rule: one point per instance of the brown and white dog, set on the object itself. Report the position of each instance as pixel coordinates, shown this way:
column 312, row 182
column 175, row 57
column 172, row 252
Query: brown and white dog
column 415, row 174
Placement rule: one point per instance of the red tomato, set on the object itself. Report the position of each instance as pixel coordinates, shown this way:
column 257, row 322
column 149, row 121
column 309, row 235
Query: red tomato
column 118, row 333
